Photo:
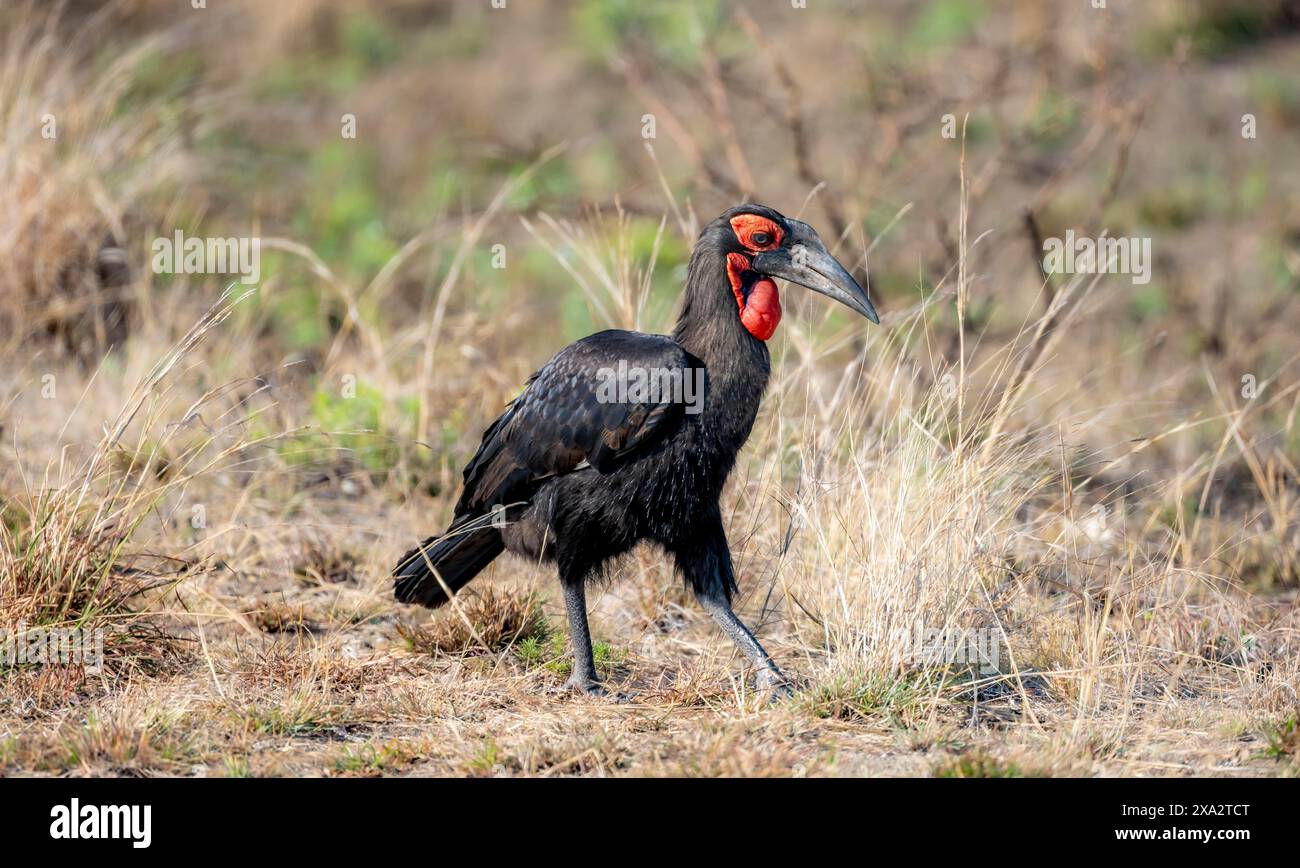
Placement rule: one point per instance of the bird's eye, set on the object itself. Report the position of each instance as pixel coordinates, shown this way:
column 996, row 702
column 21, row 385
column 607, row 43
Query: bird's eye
column 760, row 238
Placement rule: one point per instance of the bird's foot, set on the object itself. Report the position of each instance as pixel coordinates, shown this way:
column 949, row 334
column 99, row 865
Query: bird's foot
column 588, row 686
column 774, row 684
column 591, row 687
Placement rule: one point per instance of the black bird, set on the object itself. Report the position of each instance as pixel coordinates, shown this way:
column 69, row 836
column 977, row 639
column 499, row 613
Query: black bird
column 624, row 437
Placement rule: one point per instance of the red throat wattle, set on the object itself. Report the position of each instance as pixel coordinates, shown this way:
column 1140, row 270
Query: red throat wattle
column 761, row 312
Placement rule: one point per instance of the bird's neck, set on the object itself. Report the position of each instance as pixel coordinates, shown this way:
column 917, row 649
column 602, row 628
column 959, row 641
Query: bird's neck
column 710, row 328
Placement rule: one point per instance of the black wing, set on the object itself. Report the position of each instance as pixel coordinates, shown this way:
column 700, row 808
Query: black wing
column 571, row 415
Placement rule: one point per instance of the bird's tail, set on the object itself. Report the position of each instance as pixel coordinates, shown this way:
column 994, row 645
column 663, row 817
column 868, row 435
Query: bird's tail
column 458, row 556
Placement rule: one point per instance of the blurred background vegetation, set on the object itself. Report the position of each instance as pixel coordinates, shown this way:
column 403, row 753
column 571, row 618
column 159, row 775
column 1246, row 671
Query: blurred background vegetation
column 229, row 121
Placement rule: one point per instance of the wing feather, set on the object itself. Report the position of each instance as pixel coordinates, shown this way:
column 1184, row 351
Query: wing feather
column 564, row 421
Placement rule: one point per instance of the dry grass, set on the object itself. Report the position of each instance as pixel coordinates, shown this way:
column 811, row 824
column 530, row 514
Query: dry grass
column 488, row 621
column 999, row 457
column 75, row 178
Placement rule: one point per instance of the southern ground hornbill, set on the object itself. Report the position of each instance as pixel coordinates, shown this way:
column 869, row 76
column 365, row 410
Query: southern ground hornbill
column 609, row 444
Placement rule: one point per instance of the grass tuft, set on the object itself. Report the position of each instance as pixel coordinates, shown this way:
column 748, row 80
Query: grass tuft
column 489, row 621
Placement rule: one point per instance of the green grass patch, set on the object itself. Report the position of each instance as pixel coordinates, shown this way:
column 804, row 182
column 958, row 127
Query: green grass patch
column 977, row 763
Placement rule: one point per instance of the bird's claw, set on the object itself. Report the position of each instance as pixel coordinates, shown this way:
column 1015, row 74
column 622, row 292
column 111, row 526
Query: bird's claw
column 584, row 686
column 774, row 684
column 593, row 688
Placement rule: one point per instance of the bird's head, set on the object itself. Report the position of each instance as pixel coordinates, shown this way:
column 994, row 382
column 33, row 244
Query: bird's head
column 761, row 244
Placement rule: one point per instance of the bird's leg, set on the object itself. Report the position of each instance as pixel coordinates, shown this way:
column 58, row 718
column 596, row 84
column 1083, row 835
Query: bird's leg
column 583, row 679
column 707, row 568
column 769, row 677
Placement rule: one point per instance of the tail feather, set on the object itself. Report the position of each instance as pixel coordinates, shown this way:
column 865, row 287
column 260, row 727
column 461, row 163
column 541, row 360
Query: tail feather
column 458, row 556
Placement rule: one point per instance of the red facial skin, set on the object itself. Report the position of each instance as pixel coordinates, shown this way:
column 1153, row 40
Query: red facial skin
column 761, row 312
column 746, row 226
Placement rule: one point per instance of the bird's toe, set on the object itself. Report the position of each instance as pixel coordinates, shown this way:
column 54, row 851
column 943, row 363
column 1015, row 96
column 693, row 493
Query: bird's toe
column 775, row 685
column 590, row 687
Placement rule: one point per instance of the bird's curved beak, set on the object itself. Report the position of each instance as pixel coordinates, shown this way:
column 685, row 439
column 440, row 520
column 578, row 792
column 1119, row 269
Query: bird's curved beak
column 807, row 262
